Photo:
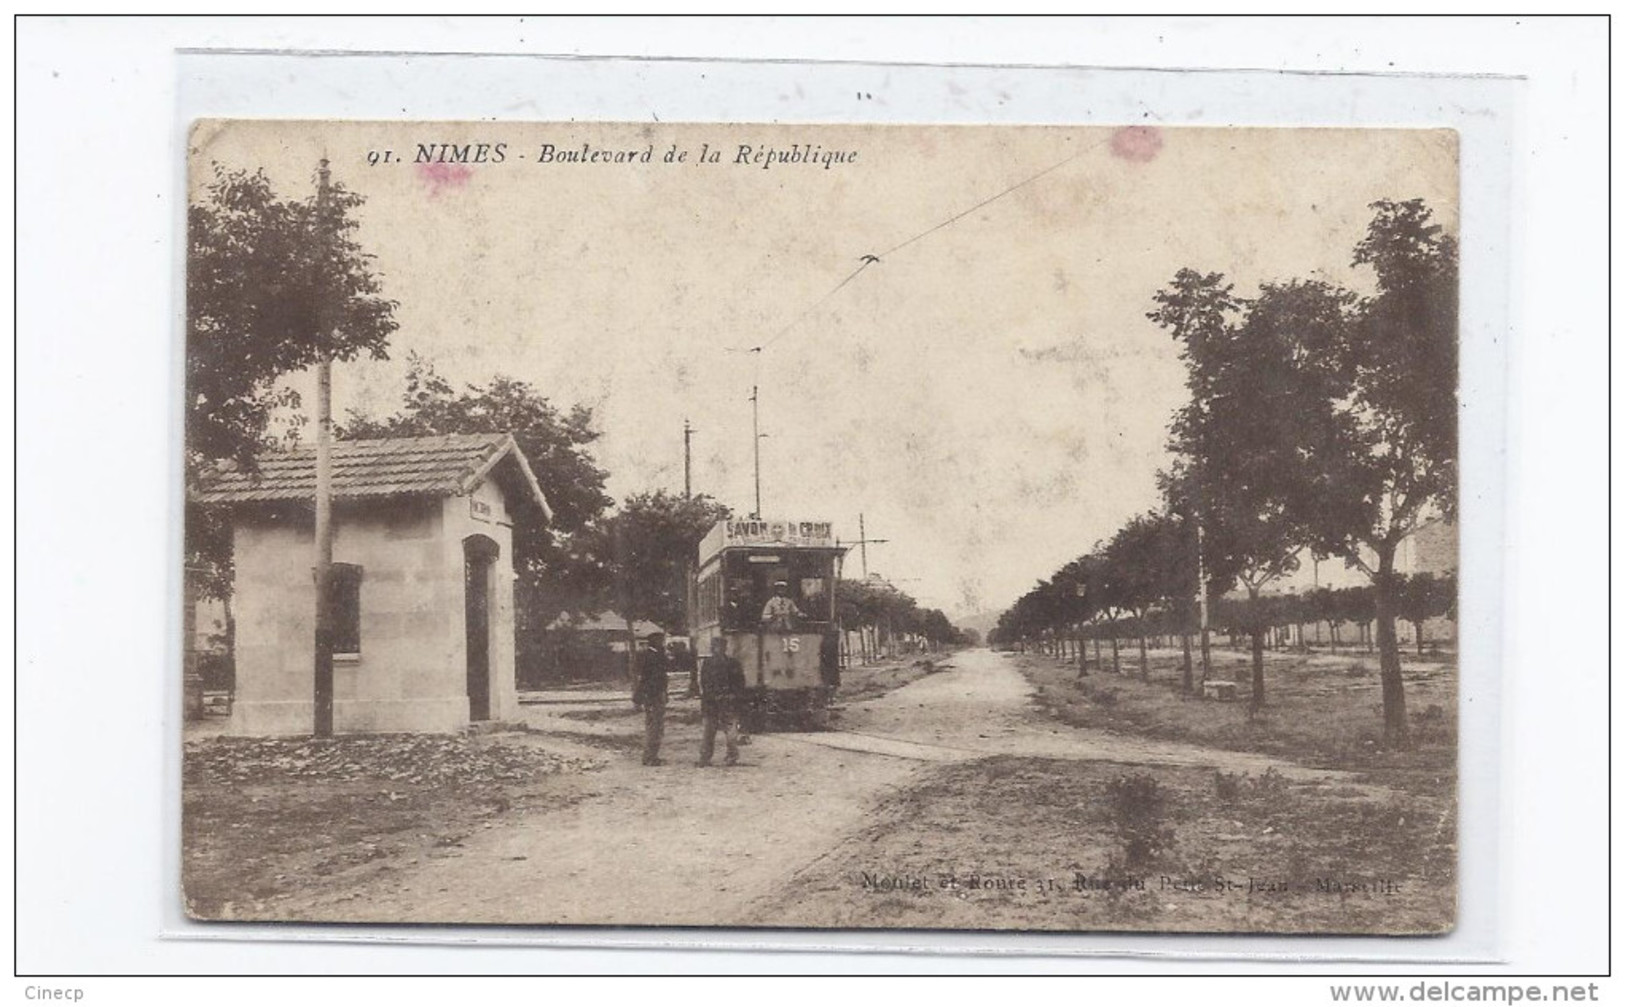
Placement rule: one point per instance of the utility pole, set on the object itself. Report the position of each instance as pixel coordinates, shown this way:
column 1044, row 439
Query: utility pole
column 324, row 478
column 1316, row 561
column 689, row 586
column 863, row 543
column 688, row 467
column 1201, row 602
column 756, row 450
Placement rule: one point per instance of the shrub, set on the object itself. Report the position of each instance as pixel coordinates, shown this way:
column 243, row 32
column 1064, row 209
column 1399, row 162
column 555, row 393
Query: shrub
column 1104, row 697
column 1272, row 782
column 1138, row 804
column 1232, row 787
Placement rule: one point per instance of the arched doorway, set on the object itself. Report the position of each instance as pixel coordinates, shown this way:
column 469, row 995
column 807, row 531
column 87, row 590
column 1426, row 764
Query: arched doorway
column 479, row 561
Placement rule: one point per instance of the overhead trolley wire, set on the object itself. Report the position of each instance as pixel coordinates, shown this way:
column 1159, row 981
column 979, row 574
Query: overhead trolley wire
column 874, row 259
column 864, row 263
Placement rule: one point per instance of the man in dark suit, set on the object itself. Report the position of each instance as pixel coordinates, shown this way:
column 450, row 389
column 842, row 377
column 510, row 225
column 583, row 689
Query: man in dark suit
column 722, row 689
column 829, row 661
column 649, row 694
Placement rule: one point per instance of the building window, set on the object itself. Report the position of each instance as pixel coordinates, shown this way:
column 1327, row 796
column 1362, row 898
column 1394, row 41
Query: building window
column 346, row 601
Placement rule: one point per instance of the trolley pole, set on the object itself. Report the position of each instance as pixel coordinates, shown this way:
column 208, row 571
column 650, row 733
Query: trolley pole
column 863, row 543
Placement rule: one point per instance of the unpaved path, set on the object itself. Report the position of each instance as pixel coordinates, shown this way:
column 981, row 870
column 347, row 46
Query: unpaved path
column 678, row 845
column 985, row 707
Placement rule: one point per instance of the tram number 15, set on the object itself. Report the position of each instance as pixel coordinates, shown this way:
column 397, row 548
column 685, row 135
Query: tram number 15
column 792, row 644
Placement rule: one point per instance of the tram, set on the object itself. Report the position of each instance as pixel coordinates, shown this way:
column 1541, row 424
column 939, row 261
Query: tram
column 768, row 589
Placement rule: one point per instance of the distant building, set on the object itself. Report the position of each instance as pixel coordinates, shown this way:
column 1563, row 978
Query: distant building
column 585, row 649
column 1432, row 549
column 606, row 628
column 423, row 583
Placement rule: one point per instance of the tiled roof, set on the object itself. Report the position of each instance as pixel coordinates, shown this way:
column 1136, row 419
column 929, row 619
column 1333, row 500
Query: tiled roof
column 446, row 465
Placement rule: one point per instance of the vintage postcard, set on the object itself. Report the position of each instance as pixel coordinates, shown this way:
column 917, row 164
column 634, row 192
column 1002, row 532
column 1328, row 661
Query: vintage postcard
column 819, row 526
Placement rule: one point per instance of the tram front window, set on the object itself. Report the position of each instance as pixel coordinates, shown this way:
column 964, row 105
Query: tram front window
column 752, row 580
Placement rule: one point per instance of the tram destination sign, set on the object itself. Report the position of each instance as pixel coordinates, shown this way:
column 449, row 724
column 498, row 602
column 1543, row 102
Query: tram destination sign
column 795, row 533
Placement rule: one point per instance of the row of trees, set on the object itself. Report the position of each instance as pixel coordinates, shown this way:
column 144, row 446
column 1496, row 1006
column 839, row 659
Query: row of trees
column 1417, row 598
column 1320, row 421
column 274, row 285
column 882, row 614
column 1287, row 619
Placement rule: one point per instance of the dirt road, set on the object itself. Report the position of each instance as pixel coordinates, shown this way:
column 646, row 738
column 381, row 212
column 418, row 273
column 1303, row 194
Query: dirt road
column 679, row 845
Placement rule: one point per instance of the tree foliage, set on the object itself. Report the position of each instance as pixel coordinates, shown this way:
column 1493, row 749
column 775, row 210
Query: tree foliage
column 1251, row 442
column 878, row 605
column 272, row 286
column 1260, row 419
column 646, row 547
column 1397, row 400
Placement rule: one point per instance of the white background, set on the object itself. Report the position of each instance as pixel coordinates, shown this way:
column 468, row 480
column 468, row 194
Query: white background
column 97, row 255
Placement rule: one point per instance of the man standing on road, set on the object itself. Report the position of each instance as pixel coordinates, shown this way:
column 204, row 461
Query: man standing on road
column 829, row 661
column 649, row 695
column 722, row 686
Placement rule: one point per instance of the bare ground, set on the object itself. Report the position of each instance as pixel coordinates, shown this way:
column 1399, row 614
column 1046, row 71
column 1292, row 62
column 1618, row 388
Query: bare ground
column 960, row 770
column 1030, row 843
column 1321, row 708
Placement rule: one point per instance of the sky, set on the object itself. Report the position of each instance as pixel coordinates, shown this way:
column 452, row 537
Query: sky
column 989, row 394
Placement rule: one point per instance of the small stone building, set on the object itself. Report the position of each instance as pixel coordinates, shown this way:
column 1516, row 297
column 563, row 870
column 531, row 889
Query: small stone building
column 422, row 583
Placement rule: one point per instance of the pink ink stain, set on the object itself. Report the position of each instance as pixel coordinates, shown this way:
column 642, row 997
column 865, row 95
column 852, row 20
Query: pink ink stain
column 1137, row 143
column 439, row 176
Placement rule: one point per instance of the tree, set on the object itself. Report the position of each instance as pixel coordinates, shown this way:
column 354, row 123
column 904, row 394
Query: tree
column 938, row 630
column 561, row 567
column 1104, row 596
column 1171, row 551
column 1258, row 424
column 1358, row 605
column 1321, row 606
column 878, row 606
column 1138, row 571
column 1073, row 597
column 272, row 286
column 1397, row 463
column 648, row 544
column 1422, row 596
column 867, row 606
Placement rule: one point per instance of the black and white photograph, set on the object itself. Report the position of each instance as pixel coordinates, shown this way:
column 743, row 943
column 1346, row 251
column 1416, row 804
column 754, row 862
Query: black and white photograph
column 817, row 526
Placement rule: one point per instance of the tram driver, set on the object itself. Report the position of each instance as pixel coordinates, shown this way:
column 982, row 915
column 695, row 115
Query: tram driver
column 780, row 612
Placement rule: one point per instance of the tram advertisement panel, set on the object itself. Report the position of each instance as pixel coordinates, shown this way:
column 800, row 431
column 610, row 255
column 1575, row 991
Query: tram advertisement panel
column 808, row 534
